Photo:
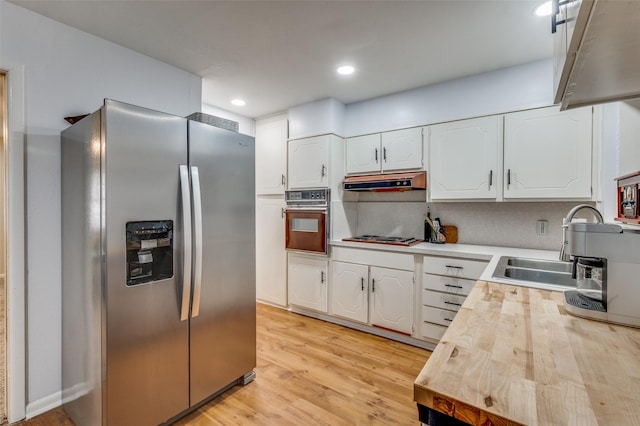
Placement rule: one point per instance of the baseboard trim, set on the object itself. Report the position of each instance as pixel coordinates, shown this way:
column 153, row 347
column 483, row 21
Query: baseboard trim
column 43, row 405
column 365, row 328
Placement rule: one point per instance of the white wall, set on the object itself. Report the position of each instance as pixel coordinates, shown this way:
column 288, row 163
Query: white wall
column 609, row 154
column 317, row 118
column 68, row 72
column 246, row 125
column 509, row 89
column 488, row 224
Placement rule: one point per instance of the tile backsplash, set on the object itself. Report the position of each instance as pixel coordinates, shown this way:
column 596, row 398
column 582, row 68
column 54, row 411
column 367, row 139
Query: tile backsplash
column 495, row 224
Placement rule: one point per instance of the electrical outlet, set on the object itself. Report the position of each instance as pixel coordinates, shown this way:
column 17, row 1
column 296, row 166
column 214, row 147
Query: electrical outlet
column 542, row 227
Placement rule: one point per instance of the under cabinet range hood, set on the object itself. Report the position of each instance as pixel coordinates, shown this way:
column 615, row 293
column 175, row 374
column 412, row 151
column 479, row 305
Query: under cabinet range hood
column 390, row 182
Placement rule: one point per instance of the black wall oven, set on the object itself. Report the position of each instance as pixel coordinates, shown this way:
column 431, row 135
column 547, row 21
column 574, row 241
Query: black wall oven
column 307, row 216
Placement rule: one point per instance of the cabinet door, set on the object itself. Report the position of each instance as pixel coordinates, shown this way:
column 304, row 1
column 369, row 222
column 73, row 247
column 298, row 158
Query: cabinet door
column 392, row 299
column 465, row 159
column 560, row 55
column 271, row 155
column 547, row 154
column 307, row 278
column 402, row 150
column 363, row 154
column 271, row 257
column 349, row 291
column 309, row 162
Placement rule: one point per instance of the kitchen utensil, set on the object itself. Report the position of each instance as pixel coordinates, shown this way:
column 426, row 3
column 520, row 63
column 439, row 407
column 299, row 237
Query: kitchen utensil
column 440, row 237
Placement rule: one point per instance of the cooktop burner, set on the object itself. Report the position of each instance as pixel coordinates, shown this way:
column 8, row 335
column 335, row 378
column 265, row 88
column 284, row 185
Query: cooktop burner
column 399, row 241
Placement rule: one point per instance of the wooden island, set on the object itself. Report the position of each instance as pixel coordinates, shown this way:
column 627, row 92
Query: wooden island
column 513, row 355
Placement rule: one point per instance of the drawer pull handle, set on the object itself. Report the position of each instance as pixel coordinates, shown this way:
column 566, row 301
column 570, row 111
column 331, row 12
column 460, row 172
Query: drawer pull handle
column 454, row 286
column 373, row 285
column 447, row 319
column 362, row 284
column 454, row 267
column 452, row 303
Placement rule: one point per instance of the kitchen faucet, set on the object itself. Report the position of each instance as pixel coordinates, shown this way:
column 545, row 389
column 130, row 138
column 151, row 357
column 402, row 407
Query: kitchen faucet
column 565, row 224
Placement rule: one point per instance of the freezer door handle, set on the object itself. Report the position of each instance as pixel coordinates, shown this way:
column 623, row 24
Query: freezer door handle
column 186, row 242
column 197, row 243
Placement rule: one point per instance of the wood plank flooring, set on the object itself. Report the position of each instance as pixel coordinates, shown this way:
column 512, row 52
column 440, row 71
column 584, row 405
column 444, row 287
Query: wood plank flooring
column 314, row 373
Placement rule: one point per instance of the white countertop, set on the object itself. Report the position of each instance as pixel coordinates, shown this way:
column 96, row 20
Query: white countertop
column 468, row 251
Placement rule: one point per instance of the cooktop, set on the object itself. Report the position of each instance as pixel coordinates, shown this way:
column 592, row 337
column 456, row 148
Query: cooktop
column 399, row 241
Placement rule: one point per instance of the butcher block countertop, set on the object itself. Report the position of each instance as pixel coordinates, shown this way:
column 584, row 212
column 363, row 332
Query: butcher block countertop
column 512, row 355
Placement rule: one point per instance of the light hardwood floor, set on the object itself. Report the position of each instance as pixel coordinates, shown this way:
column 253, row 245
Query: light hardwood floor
column 314, row 373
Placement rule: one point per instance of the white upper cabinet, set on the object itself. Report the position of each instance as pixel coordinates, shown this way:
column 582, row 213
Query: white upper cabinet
column 402, row 150
column 363, row 154
column 271, row 155
column 309, row 162
column 547, row 154
column 465, row 159
column 385, row 152
column 317, row 162
column 543, row 154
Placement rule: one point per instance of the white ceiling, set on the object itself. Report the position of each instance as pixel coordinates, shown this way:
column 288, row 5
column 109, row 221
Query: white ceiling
column 276, row 54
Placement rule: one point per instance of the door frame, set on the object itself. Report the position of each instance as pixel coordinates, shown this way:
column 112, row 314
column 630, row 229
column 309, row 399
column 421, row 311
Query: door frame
column 15, row 268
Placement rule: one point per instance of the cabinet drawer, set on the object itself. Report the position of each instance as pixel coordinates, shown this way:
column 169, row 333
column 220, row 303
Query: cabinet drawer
column 436, row 299
column 461, row 286
column 433, row 331
column 437, row 315
column 454, row 267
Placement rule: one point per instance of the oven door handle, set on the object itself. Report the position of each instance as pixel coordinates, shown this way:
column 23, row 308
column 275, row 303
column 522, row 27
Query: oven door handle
column 307, row 209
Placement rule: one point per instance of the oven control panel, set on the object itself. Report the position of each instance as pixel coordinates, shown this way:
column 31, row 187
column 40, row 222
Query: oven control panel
column 307, row 196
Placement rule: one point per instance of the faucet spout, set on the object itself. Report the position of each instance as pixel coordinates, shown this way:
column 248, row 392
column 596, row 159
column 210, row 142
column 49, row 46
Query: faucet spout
column 564, row 256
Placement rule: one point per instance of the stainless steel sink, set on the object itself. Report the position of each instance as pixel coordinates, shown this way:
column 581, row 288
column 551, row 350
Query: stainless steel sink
column 543, row 265
column 535, row 271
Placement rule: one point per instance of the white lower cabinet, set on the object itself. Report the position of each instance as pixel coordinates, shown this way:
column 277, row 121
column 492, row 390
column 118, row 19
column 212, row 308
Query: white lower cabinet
column 432, row 331
column 445, row 285
column 380, row 296
column 392, row 299
column 271, row 257
column 308, row 281
column 350, row 291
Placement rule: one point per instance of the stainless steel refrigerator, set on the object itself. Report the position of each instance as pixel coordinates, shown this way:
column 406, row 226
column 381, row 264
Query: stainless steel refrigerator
column 158, row 265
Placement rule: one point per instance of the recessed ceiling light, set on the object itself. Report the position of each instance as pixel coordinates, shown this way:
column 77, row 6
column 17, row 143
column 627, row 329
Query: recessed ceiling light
column 238, row 102
column 345, row 70
column 544, row 9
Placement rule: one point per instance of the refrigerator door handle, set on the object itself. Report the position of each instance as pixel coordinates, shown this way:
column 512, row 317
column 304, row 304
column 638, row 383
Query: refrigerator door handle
column 197, row 243
column 186, row 242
